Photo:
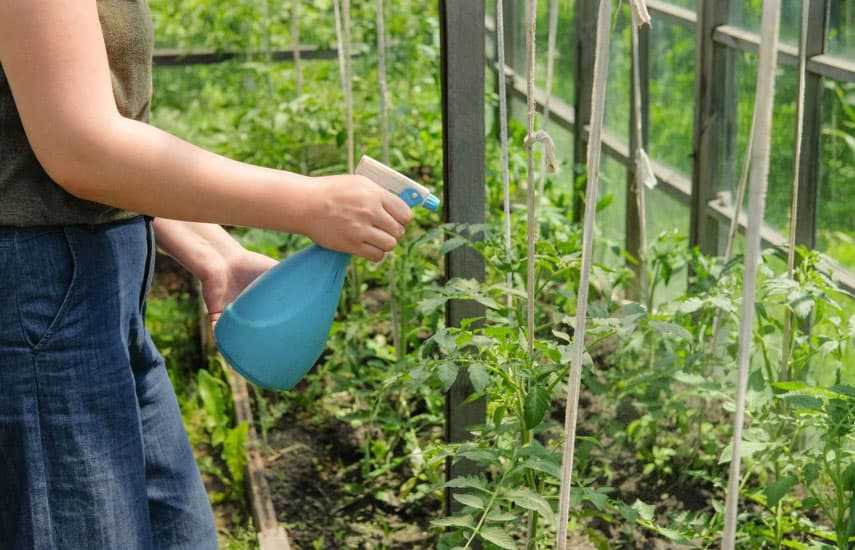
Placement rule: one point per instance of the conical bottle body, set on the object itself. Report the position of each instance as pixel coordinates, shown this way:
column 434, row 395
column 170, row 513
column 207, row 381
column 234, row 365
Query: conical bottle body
column 277, row 328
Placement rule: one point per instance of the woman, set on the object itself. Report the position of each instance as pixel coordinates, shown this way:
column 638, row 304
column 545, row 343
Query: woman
column 92, row 451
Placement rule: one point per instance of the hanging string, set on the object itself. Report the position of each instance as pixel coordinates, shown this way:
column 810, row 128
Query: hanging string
column 598, row 101
column 503, row 137
column 381, row 77
column 797, row 165
column 531, row 233
column 295, row 47
column 394, row 306
column 643, row 174
column 342, row 31
column 550, row 164
column 764, row 100
column 550, row 71
column 734, row 225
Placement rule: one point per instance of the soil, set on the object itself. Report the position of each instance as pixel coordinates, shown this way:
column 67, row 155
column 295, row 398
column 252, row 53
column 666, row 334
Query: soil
column 311, row 464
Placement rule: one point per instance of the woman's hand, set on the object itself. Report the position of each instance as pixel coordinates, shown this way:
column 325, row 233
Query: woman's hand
column 353, row 214
column 224, row 279
column 207, row 251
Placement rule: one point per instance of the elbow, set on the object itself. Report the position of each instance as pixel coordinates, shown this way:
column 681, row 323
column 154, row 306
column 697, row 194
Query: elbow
column 71, row 176
column 76, row 161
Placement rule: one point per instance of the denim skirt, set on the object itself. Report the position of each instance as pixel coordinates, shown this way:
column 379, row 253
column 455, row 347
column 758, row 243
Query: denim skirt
column 93, row 453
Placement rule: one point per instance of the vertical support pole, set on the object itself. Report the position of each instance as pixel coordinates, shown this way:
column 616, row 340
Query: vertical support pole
column 713, row 66
column 634, row 239
column 462, row 35
column 586, row 39
column 811, row 149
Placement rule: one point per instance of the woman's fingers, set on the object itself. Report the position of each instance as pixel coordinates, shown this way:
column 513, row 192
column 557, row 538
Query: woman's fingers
column 371, row 252
column 397, row 208
column 388, row 224
column 379, row 239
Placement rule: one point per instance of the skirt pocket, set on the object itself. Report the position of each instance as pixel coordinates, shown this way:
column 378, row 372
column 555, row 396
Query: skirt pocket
column 46, row 270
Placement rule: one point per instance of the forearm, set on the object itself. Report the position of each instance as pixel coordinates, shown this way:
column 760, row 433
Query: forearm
column 140, row 168
column 202, row 248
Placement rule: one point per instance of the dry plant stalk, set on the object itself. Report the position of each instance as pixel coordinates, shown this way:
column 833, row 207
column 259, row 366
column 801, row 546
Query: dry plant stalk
column 764, row 100
column 598, row 101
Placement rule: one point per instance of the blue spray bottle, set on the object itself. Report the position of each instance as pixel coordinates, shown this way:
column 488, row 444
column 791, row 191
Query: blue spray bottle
column 274, row 332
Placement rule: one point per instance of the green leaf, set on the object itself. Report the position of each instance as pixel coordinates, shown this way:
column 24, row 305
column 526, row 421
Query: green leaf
column 749, row 448
column 848, row 477
column 800, row 401
column 451, row 244
column 534, row 408
column 689, row 379
column 542, row 465
column 447, row 373
column 599, row 500
column 528, row 499
column 848, row 391
column 234, row 451
column 447, row 342
column 690, row 306
column 467, row 499
column 468, row 482
column 463, row 521
column 499, row 537
column 479, row 376
column 211, row 393
column 670, row 329
column 776, row 491
column 498, row 515
column 645, row 511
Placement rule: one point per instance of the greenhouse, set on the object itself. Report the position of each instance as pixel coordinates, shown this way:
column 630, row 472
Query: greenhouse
column 631, row 322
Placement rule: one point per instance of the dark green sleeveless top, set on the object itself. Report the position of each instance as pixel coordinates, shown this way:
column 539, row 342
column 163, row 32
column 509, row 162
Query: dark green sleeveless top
column 28, row 196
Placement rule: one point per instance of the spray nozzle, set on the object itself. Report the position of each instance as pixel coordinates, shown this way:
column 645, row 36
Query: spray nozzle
column 412, row 193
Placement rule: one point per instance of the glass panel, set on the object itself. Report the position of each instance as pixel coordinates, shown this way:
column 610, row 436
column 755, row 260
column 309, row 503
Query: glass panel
column 611, row 221
column 841, row 28
column 565, row 42
column 620, row 59
column 836, row 210
column 672, row 95
column 691, row 4
column 783, row 141
column 666, row 214
column 747, row 14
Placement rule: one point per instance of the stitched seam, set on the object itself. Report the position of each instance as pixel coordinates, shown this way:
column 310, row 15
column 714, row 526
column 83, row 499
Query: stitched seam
column 19, row 316
column 69, row 293
column 45, row 469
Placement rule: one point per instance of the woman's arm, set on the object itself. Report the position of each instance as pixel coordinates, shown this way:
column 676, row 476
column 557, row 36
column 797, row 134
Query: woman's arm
column 53, row 54
column 223, row 266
